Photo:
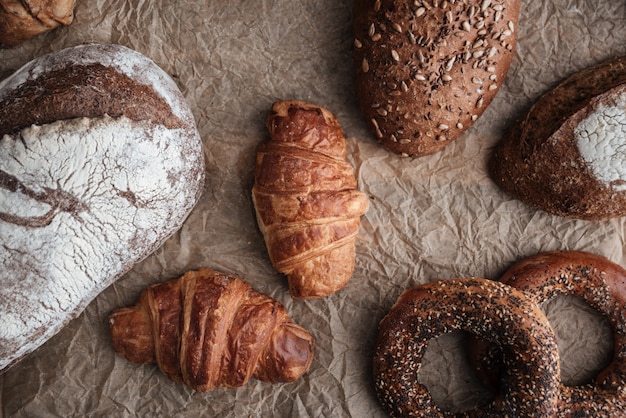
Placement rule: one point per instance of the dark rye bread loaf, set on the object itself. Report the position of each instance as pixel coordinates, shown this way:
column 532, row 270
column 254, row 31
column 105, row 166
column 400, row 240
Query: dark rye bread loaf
column 100, row 162
column 426, row 70
column 566, row 155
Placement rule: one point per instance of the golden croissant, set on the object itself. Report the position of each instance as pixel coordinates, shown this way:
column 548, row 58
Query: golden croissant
column 307, row 203
column 209, row 329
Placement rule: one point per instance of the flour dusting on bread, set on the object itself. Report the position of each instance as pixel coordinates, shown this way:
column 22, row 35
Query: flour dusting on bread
column 601, row 140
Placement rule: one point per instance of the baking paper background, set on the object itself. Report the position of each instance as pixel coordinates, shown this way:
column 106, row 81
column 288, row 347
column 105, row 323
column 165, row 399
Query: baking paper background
column 431, row 218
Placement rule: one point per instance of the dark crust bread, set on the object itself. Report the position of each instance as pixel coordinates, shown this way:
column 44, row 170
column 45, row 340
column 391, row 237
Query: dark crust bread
column 538, row 161
column 426, row 72
column 77, row 91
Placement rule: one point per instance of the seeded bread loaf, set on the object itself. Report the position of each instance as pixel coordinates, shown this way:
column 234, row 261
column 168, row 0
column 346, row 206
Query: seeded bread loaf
column 425, row 71
column 22, row 19
column 567, row 154
column 100, row 162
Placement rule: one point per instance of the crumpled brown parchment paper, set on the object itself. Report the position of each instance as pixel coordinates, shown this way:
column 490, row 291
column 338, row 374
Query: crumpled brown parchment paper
column 431, row 218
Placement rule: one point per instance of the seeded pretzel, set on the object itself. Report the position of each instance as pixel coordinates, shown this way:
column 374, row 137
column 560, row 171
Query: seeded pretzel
column 483, row 307
column 599, row 282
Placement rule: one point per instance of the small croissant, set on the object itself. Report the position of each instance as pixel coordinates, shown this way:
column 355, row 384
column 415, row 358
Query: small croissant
column 307, row 203
column 209, row 329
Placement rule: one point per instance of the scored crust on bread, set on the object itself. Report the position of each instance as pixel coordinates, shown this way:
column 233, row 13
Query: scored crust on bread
column 426, row 71
column 566, row 154
column 110, row 166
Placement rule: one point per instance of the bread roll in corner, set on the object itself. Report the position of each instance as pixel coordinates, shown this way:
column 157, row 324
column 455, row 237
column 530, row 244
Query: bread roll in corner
column 21, row 20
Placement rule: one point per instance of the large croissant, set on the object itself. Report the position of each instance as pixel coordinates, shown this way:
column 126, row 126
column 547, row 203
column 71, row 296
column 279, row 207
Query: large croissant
column 307, row 203
column 209, row 329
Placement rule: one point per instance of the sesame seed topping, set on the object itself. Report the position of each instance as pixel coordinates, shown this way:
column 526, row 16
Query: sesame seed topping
column 372, row 30
column 478, row 54
column 511, row 26
column 379, row 134
column 450, row 63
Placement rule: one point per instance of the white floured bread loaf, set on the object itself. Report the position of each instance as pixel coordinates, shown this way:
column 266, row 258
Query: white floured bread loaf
column 567, row 154
column 100, row 162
